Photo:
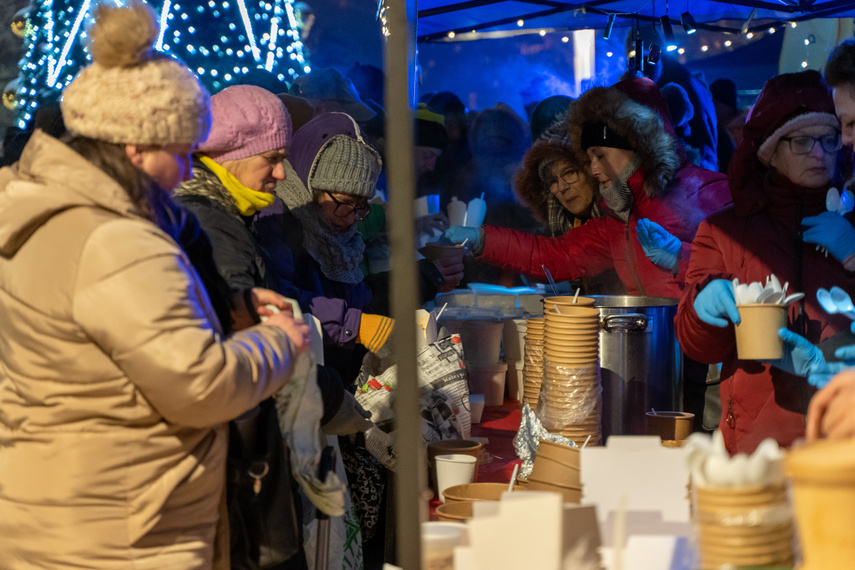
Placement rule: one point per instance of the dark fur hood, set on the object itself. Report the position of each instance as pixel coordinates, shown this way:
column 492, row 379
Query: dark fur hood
column 528, row 184
column 647, row 127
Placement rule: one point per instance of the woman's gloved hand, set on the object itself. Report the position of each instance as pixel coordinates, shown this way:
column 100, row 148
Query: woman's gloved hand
column 716, row 303
column 658, row 244
column 350, row 418
column 800, row 355
column 459, row 234
column 374, row 334
column 832, row 231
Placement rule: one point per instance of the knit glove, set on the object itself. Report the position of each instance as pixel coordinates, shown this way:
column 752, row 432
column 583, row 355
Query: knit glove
column 715, row 302
column 800, row 355
column 658, row 244
column 832, row 231
column 459, row 234
column 375, row 331
column 350, row 418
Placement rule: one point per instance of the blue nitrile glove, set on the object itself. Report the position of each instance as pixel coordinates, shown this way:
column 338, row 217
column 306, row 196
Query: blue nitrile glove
column 459, row 234
column 832, row 231
column 659, row 246
column 800, row 355
column 716, row 301
column 821, row 374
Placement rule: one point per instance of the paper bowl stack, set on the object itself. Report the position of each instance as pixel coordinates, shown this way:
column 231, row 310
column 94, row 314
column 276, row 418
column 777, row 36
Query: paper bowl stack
column 744, row 526
column 570, row 399
column 533, row 365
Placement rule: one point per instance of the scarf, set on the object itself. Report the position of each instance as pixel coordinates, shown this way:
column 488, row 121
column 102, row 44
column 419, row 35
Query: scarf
column 248, row 201
column 337, row 254
column 618, row 196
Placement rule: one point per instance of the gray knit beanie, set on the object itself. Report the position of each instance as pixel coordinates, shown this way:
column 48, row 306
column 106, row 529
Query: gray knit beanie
column 348, row 166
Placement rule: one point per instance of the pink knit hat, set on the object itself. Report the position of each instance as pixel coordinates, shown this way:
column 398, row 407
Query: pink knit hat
column 248, row 120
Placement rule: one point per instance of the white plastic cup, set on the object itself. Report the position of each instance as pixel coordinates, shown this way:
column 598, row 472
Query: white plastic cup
column 438, row 542
column 421, row 207
column 451, row 470
column 476, row 407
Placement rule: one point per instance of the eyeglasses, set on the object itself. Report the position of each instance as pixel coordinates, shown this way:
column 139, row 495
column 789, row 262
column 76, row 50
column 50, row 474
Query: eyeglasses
column 568, row 176
column 343, row 210
column 803, row 144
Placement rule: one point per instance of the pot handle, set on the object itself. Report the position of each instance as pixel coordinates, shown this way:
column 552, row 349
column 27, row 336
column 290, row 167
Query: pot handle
column 628, row 322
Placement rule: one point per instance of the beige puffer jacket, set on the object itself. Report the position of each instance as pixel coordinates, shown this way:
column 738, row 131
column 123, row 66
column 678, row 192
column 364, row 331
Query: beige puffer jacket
column 114, row 380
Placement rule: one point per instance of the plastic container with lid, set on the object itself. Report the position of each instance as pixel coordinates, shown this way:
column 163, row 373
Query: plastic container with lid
column 823, row 483
column 457, row 212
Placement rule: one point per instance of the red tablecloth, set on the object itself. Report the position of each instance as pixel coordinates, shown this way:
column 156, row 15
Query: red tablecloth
column 499, row 424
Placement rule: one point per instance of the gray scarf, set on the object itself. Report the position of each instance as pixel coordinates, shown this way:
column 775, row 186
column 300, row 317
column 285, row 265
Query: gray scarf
column 337, row 254
column 618, row 196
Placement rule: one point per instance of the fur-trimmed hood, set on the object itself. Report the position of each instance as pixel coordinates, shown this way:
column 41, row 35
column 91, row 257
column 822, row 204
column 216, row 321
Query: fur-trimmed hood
column 528, row 183
column 635, row 109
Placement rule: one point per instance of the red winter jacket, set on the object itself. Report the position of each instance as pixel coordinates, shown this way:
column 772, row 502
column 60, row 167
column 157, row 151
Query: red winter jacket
column 607, row 242
column 750, row 242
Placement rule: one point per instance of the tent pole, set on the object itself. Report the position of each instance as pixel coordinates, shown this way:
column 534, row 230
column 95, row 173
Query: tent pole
column 400, row 99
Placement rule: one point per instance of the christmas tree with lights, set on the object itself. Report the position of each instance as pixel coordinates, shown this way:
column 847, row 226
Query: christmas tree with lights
column 220, row 40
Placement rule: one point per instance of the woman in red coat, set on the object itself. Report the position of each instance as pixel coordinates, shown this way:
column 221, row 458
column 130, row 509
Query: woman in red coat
column 779, row 175
column 625, row 134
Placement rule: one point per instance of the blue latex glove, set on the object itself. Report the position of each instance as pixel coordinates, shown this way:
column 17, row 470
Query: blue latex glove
column 822, row 373
column 459, row 234
column 800, row 355
column 832, row 231
column 659, row 246
column 715, row 302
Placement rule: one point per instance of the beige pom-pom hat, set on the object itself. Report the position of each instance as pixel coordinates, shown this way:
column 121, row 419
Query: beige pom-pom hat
column 132, row 94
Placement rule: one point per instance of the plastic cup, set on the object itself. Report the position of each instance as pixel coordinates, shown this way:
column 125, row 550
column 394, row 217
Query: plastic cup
column 476, row 407
column 757, row 334
column 451, row 470
column 482, row 342
column 438, row 542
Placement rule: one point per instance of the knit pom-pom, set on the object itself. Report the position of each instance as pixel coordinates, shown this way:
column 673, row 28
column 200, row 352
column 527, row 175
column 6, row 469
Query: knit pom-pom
column 123, row 36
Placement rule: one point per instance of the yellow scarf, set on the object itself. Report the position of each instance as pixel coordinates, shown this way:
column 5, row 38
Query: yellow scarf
column 247, row 201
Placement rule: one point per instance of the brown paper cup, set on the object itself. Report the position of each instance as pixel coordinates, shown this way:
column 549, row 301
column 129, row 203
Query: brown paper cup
column 435, row 251
column 757, row 334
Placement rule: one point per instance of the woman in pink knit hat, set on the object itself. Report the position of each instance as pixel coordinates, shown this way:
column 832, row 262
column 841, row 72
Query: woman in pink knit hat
column 116, row 382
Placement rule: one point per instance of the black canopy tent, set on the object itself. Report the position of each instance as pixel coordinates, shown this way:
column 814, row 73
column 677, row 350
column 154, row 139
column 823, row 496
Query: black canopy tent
column 456, row 20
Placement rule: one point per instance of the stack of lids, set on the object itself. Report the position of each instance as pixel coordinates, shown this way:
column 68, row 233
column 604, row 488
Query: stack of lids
column 570, row 401
column 533, row 365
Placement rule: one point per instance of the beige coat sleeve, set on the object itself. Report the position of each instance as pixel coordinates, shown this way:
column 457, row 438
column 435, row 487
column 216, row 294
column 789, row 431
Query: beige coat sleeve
column 139, row 300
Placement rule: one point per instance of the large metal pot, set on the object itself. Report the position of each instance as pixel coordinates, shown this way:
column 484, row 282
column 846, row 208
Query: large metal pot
column 640, row 360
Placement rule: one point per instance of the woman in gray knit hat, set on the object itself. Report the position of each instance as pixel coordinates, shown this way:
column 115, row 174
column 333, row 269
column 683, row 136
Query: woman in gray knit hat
column 116, row 383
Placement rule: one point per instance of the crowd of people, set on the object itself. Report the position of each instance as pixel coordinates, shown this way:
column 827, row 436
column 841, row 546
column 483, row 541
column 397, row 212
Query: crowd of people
column 157, row 242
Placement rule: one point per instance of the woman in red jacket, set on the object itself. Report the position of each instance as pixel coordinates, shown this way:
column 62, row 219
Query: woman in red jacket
column 778, row 175
column 625, row 133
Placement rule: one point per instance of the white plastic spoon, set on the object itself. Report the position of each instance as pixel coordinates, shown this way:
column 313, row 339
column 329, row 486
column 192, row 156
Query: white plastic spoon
column 792, row 298
column 847, row 203
column 825, row 301
column 843, row 302
column 832, row 200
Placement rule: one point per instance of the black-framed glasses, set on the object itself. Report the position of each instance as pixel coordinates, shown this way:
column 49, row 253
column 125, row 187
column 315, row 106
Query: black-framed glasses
column 803, row 144
column 568, row 176
column 343, row 210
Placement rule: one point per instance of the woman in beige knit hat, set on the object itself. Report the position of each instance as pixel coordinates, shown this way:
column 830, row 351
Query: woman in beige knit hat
column 115, row 379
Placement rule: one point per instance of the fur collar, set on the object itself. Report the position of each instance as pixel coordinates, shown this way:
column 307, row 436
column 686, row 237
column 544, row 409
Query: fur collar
column 206, row 184
column 640, row 125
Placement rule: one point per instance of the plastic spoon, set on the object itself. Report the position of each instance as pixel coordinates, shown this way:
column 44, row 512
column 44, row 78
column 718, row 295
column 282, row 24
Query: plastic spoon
column 825, row 301
column 551, row 280
column 832, row 200
column 843, row 302
column 776, row 284
column 792, row 298
column 847, row 203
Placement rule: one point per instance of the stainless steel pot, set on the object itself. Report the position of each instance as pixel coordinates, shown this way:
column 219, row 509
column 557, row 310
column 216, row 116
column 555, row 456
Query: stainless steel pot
column 640, row 360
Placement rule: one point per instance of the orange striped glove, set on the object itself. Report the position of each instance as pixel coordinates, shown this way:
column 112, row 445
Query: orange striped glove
column 374, row 334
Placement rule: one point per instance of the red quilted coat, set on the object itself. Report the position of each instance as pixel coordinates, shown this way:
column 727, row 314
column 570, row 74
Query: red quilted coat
column 607, row 242
column 759, row 235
